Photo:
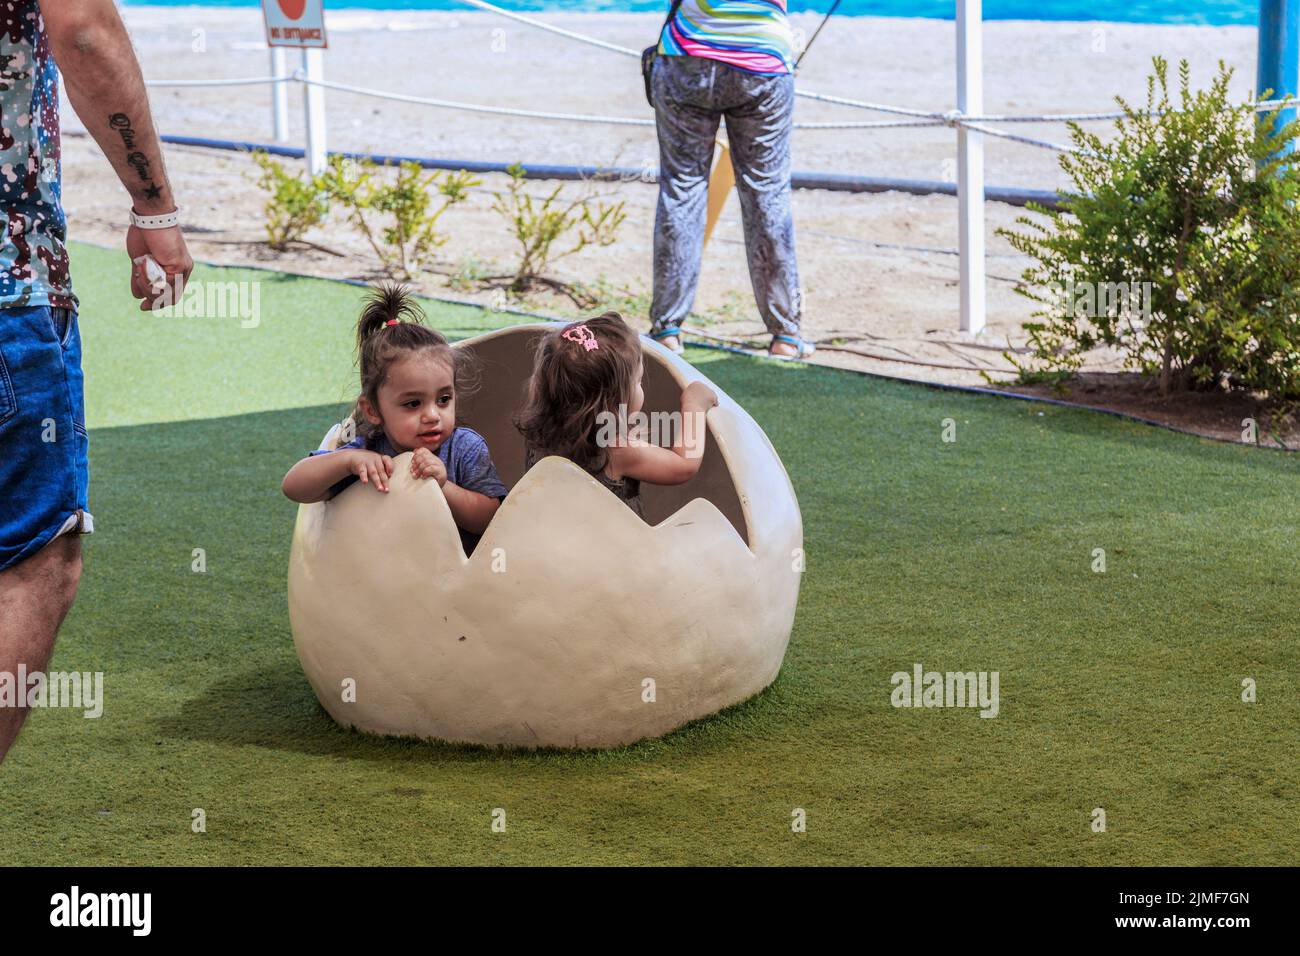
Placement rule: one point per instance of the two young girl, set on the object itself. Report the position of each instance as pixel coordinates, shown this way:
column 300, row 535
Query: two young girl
column 583, row 374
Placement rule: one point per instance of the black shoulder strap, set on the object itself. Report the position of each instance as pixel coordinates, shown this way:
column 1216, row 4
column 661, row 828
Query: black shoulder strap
column 672, row 12
column 834, row 7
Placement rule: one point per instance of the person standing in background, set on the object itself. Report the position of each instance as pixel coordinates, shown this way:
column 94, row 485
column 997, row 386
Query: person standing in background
column 44, row 473
column 732, row 59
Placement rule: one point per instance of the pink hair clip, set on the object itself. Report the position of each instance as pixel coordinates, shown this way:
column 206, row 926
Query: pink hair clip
column 582, row 335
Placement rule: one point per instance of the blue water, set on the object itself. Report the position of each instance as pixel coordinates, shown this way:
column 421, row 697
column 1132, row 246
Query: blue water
column 1209, row 12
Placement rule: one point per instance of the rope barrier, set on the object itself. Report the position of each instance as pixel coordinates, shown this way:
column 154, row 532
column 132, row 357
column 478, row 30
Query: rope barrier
column 572, row 117
column 476, row 108
column 581, row 38
column 861, row 104
column 1260, row 107
column 1027, row 140
column 951, row 118
column 868, row 124
column 242, row 81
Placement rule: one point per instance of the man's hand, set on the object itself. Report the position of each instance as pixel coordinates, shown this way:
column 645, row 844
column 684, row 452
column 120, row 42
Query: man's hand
column 426, row 464
column 167, row 247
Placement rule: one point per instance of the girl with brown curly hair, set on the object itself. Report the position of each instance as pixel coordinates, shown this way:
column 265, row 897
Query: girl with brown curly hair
column 586, row 374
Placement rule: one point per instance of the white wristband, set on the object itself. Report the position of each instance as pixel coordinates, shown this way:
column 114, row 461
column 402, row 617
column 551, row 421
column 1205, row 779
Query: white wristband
column 165, row 221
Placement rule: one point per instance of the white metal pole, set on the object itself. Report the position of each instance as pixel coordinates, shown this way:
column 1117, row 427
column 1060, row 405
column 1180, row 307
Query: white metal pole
column 279, row 98
column 314, row 109
column 970, row 164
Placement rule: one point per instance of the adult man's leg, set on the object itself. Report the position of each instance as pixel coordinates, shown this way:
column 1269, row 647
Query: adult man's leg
column 44, row 485
column 759, row 134
column 687, row 126
column 35, row 596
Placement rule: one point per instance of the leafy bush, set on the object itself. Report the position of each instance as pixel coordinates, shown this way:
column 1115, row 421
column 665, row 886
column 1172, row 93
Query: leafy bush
column 410, row 239
column 295, row 204
column 1195, row 207
column 538, row 224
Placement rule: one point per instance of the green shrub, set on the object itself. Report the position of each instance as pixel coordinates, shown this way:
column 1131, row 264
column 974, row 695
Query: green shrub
column 409, row 239
column 1195, row 211
column 538, row 224
column 296, row 203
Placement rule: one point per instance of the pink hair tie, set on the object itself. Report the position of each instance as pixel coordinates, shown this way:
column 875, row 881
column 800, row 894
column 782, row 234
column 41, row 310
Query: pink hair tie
column 393, row 322
column 582, row 335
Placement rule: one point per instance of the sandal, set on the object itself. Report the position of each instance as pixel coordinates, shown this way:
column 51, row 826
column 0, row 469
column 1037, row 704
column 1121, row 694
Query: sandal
column 805, row 349
column 666, row 334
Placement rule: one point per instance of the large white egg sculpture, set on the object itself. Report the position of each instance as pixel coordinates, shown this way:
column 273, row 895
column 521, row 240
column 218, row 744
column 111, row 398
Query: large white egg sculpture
column 575, row 623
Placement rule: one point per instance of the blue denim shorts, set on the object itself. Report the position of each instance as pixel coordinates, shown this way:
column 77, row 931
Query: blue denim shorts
column 44, row 471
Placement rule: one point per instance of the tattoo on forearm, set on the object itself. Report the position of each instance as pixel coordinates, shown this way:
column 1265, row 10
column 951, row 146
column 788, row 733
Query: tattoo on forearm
column 135, row 159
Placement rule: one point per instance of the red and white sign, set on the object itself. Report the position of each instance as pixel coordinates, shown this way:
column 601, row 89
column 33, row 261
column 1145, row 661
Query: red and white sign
column 299, row 23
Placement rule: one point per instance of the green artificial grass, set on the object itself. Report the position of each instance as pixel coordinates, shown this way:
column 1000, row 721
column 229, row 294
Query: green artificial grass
column 1119, row 690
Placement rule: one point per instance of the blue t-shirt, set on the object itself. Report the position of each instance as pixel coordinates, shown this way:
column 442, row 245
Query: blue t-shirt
column 465, row 455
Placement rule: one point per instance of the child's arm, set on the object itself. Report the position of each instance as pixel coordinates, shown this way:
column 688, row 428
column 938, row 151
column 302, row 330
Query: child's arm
column 472, row 510
column 663, row 466
column 312, row 478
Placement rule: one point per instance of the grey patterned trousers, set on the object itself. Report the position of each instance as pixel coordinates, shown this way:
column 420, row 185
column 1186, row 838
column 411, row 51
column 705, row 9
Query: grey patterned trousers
column 690, row 95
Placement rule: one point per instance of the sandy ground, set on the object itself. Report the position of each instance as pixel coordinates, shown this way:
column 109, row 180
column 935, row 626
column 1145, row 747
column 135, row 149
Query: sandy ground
column 879, row 271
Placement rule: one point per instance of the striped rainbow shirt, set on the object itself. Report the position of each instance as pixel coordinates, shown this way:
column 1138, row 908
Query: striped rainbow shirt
column 752, row 35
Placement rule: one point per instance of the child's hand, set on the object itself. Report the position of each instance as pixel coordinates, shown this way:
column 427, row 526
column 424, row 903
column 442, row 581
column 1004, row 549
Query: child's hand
column 699, row 396
column 426, row 464
column 372, row 468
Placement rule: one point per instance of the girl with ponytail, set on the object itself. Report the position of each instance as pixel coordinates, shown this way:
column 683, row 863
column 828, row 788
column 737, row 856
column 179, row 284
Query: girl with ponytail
column 410, row 380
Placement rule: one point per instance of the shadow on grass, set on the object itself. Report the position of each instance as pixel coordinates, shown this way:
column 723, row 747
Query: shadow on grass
column 274, row 707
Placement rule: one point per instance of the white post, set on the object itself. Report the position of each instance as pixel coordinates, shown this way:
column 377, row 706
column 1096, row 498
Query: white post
column 313, row 98
column 970, row 164
column 279, row 98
